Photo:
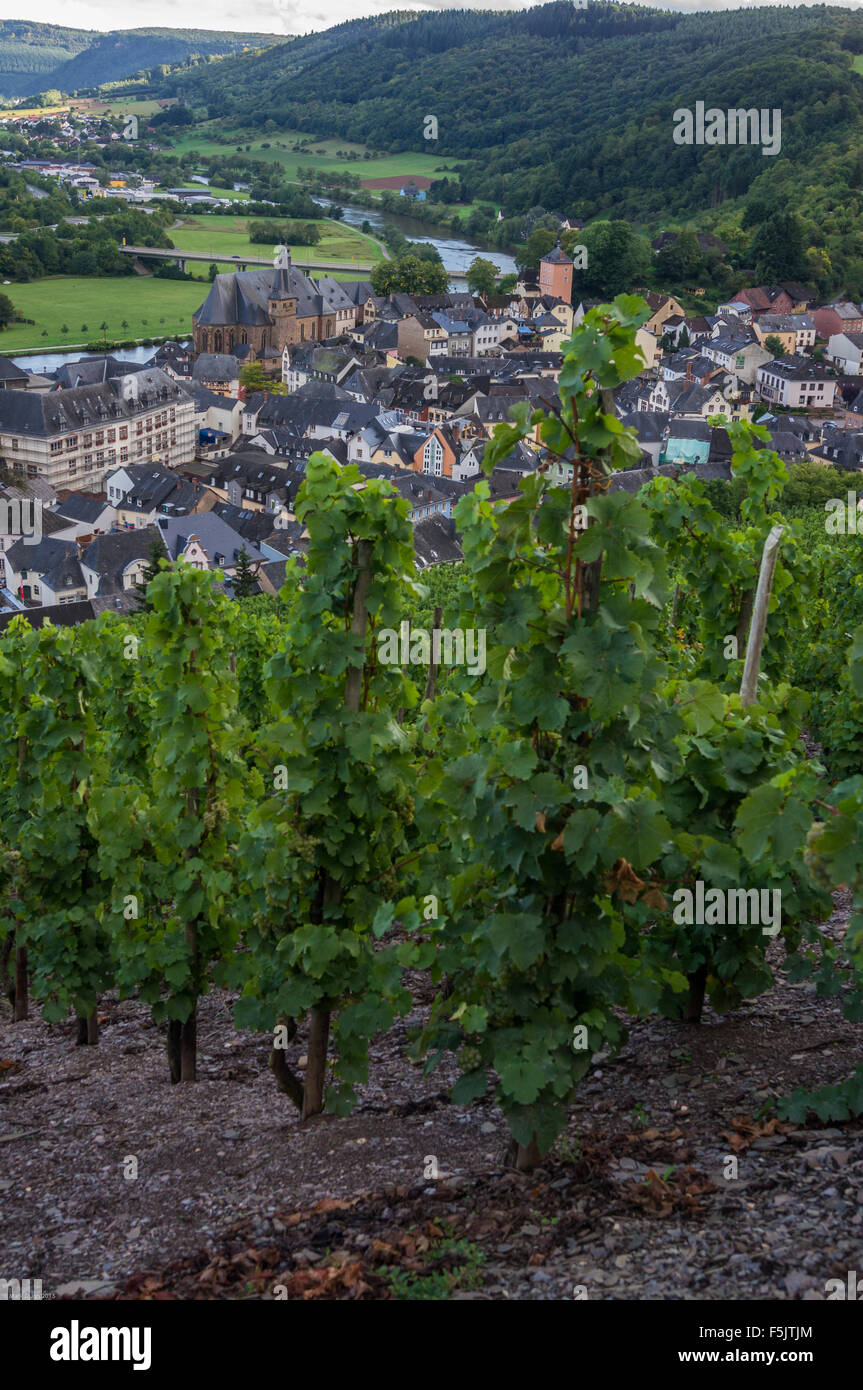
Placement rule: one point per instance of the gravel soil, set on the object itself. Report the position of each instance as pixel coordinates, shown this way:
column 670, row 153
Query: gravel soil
column 116, row 1184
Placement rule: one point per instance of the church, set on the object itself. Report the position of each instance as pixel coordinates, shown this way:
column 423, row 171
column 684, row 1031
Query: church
column 268, row 310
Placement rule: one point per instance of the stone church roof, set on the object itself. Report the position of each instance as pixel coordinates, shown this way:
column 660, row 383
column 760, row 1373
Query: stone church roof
column 240, row 297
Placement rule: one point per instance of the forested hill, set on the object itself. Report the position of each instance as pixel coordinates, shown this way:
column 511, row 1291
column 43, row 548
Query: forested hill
column 573, row 108
column 38, row 57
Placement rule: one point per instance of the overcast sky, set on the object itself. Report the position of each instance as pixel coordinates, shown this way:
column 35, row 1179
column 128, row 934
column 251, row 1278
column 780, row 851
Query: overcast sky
column 263, row 16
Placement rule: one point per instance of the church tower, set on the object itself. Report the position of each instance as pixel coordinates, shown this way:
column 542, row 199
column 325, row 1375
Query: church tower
column 282, row 303
column 555, row 275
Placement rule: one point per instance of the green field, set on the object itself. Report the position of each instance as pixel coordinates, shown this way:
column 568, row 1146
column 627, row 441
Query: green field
column 151, row 308
column 320, row 154
column 222, row 236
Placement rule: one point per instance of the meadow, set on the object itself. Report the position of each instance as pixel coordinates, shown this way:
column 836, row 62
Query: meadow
column 132, row 306
column 225, row 236
column 320, row 154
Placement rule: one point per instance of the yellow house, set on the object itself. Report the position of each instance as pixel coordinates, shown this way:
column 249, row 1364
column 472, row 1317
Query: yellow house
column 662, row 307
column 649, row 346
column 565, row 313
column 553, row 339
column 786, row 336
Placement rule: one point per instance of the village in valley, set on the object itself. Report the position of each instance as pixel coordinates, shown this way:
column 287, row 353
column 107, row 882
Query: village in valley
column 201, row 450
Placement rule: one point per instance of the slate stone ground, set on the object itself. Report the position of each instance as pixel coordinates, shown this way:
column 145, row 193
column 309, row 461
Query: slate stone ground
column 234, row 1198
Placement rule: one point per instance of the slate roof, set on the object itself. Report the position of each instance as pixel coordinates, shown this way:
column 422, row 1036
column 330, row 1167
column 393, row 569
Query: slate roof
column 795, row 369
column 43, row 414
column 110, row 555
column 216, row 366
column 41, row 557
column 253, row 526
column 77, row 507
column 88, row 371
column 214, row 534
column 9, row 372
column 649, row 425
column 558, row 257
column 59, row 614
column 241, row 296
column 435, row 541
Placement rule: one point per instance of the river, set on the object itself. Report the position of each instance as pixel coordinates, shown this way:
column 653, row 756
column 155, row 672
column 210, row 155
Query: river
column 50, row 361
column 455, row 253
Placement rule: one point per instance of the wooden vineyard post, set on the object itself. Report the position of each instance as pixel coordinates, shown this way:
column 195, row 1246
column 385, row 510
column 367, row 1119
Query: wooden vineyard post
column 758, row 626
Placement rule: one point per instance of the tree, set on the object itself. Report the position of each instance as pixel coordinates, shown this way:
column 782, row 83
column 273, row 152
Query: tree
column 617, row 258
column 538, row 244
column 8, row 312
column 774, row 345
column 253, row 378
column 507, row 283
column 779, row 249
column 481, row 276
column 409, row 275
column 245, row 583
column 425, row 251
column 680, row 259
column 212, row 270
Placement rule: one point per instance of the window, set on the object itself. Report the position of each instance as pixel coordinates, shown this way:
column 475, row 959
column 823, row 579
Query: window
column 100, row 436
column 124, row 455
column 88, row 460
column 88, row 440
column 56, row 446
column 124, row 431
column 112, row 435
column 72, row 441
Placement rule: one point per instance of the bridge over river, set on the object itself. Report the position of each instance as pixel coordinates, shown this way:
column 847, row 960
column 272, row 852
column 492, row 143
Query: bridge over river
column 359, row 268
